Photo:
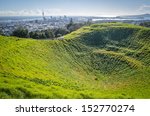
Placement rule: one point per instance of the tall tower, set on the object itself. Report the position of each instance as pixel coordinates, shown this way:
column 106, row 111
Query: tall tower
column 43, row 16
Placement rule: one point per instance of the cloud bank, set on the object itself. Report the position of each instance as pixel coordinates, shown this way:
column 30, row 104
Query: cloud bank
column 144, row 9
column 36, row 12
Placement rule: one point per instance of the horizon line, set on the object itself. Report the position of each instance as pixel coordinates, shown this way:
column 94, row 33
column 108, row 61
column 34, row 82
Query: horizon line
column 73, row 15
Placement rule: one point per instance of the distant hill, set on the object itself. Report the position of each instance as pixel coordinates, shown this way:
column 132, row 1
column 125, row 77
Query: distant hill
column 110, row 60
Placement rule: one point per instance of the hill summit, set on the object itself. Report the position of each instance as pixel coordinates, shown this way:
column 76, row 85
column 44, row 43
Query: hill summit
column 109, row 60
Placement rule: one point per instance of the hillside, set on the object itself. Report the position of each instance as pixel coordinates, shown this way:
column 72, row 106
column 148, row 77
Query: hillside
column 109, row 60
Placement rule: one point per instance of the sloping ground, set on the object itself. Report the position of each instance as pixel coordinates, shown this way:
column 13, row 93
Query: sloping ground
column 100, row 61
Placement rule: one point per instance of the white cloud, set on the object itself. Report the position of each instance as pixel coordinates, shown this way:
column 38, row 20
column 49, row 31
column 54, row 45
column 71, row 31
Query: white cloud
column 47, row 12
column 35, row 12
column 144, row 9
column 5, row 13
column 17, row 13
column 61, row 12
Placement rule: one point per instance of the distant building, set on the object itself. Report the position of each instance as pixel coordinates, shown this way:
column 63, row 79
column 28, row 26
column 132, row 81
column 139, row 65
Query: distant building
column 43, row 16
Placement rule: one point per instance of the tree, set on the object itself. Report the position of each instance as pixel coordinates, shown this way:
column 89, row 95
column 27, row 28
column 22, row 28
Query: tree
column 31, row 34
column 49, row 33
column 60, row 32
column 34, row 35
column 44, row 34
column 1, row 32
column 89, row 22
column 145, row 24
column 21, row 32
column 70, row 24
column 74, row 26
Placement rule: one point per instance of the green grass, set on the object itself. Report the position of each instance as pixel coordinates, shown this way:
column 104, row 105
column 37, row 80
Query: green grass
column 109, row 60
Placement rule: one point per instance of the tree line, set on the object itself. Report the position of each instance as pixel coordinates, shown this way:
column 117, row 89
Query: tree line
column 43, row 34
column 145, row 24
column 48, row 33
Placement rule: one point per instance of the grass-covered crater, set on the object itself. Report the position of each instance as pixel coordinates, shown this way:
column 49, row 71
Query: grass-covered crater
column 109, row 60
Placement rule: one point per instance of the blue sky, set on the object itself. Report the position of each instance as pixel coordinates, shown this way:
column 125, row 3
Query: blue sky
column 73, row 7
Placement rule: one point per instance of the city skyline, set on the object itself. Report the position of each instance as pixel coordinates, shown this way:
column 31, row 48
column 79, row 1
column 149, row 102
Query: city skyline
column 73, row 7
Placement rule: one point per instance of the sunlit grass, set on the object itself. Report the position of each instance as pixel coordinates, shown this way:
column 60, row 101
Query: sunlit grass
column 108, row 60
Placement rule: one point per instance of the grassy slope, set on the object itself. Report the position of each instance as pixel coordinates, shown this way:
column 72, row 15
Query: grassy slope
column 101, row 61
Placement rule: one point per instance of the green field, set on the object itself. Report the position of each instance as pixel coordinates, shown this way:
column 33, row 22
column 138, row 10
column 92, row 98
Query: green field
column 110, row 60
